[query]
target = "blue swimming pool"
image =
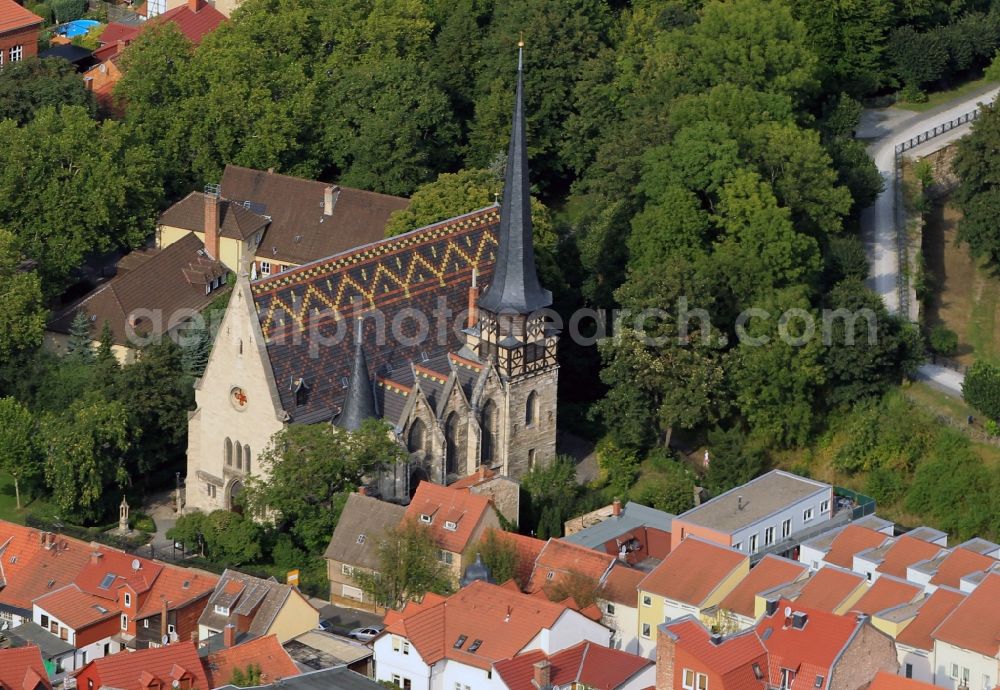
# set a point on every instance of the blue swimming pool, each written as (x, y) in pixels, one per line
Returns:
(77, 27)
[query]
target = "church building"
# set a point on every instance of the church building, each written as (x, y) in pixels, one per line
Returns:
(437, 331)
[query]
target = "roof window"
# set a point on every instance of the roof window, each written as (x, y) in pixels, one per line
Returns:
(819, 682)
(450, 526)
(425, 518)
(474, 647)
(108, 580)
(460, 641)
(758, 674)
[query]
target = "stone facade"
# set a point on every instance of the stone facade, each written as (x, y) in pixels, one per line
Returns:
(868, 652)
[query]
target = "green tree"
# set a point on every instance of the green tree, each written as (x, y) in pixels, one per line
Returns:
(19, 456)
(981, 388)
(670, 488)
(732, 460)
(978, 193)
(21, 306)
(29, 85)
(452, 194)
(619, 466)
(246, 678)
(408, 568)
(501, 556)
(222, 536)
(78, 345)
(85, 456)
(310, 469)
(943, 340)
(550, 488)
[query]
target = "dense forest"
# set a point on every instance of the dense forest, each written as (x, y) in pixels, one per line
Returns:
(683, 153)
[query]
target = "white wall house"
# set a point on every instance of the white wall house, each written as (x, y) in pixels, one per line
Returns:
(918, 663)
(84, 654)
(397, 661)
(623, 620)
(955, 667)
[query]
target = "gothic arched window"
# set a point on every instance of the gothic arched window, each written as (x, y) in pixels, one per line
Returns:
(229, 452)
(416, 443)
(531, 409)
(451, 444)
(239, 456)
(488, 423)
(246, 458)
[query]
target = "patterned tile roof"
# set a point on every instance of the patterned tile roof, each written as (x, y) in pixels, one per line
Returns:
(829, 588)
(905, 552)
(14, 17)
(558, 559)
(851, 540)
(30, 568)
(303, 312)
(135, 671)
(733, 657)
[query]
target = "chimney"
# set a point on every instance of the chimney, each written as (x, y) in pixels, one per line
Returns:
(799, 620)
(362, 490)
(330, 195)
(739, 503)
(212, 221)
(164, 613)
(229, 636)
(616, 507)
(195, 5)
(697, 496)
(666, 651)
(771, 607)
(543, 674)
(473, 301)
(95, 557)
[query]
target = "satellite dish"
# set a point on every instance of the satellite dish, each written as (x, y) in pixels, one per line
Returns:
(788, 612)
(166, 641)
(135, 564)
(176, 683)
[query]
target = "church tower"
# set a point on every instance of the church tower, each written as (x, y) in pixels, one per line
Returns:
(359, 404)
(519, 429)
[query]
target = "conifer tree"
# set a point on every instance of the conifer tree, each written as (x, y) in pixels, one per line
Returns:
(79, 338)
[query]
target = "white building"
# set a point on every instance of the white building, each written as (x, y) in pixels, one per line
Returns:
(967, 643)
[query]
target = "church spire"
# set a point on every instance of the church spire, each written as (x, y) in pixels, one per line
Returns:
(359, 404)
(515, 287)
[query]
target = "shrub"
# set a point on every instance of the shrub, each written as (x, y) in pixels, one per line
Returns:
(619, 467)
(992, 72)
(981, 388)
(991, 427)
(43, 10)
(68, 10)
(943, 341)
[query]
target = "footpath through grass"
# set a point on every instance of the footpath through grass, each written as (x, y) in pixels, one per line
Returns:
(941, 97)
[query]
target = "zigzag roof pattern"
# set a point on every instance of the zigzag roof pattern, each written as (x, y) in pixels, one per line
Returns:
(305, 313)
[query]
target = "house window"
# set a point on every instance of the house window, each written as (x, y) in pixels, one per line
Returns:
(16, 53)
(450, 526)
(124, 622)
(688, 682)
(63, 633)
(610, 609)
(819, 682)
(406, 647)
(425, 518)
(787, 677)
(786, 528)
(54, 629)
(908, 671)
(229, 452)
(44, 621)
(738, 546)
(530, 409)
(647, 600)
(807, 515)
(645, 630)
(265, 268)
(210, 489)
(702, 681)
(954, 671)
(531, 458)
(397, 644)
(768, 536)
(246, 458)
(347, 570)
(445, 557)
(965, 676)
(352, 593)
(145, 622)
(222, 610)
(171, 629)
(757, 672)
(986, 682)
(824, 507)
(753, 543)
(128, 600)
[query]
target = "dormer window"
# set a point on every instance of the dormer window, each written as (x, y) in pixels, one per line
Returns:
(426, 519)
(450, 526)
(222, 610)
(128, 600)
(757, 672)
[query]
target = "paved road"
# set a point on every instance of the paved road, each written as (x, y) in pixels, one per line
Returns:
(884, 129)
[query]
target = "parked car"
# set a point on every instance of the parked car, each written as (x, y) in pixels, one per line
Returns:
(366, 634)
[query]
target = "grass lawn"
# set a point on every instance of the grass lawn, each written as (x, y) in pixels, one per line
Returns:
(945, 405)
(8, 503)
(940, 97)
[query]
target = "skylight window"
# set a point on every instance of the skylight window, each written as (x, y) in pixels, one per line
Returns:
(460, 641)
(450, 526)
(361, 539)
(100, 609)
(474, 647)
(108, 580)
(757, 672)
(425, 518)
(819, 681)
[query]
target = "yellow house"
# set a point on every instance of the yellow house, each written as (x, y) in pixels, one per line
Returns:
(696, 575)
(270, 223)
(256, 607)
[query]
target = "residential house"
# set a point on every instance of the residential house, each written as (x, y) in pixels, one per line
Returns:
(354, 546)
(768, 514)
(155, 7)
(456, 519)
(564, 567)
(634, 533)
(528, 550)
(949, 567)
(739, 609)
(889, 681)
(175, 666)
(967, 642)
(22, 669)
(894, 556)
(156, 294)
(257, 608)
(455, 642)
(19, 29)
(119, 602)
(618, 600)
(504, 492)
(584, 665)
(57, 654)
(829, 589)
(838, 547)
(690, 657)
(318, 649)
(195, 19)
(696, 575)
(265, 654)
(912, 627)
(339, 678)
(269, 223)
(808, 649)
(887, 592)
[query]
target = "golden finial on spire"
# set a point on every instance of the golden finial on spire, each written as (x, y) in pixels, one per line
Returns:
(520, 43)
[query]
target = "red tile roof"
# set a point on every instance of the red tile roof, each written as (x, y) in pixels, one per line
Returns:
(905, 552)
(890, 681)
(264, 652)
(585, 663)
(443, 505)
(29, 568)
(733, 658)
(692, 571)
(22, 669)
(622, 585)
(958, 564)
(194, 25)
(528, 549)
(885, 593)
(935, 609)
(481, 475)
(975, 623)
(558, 559)
(501, 617)
(114, 569)
(14, 17)
(177, 586)
(770, 572)
(166, 664)
(811, 650)
(853, 539)
(76, 608)
(828, 588)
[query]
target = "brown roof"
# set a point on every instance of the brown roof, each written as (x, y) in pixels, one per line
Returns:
(235, 220)
(14, 17)
(851, 540)
(135, 670)
(770, 572)
(172, 283)
(259, 599)
(692, 571)
(362, 523)
(299, 230)
(444, 506)
(975, 623)
(935, 609)
(958, 564)
(885, 593)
